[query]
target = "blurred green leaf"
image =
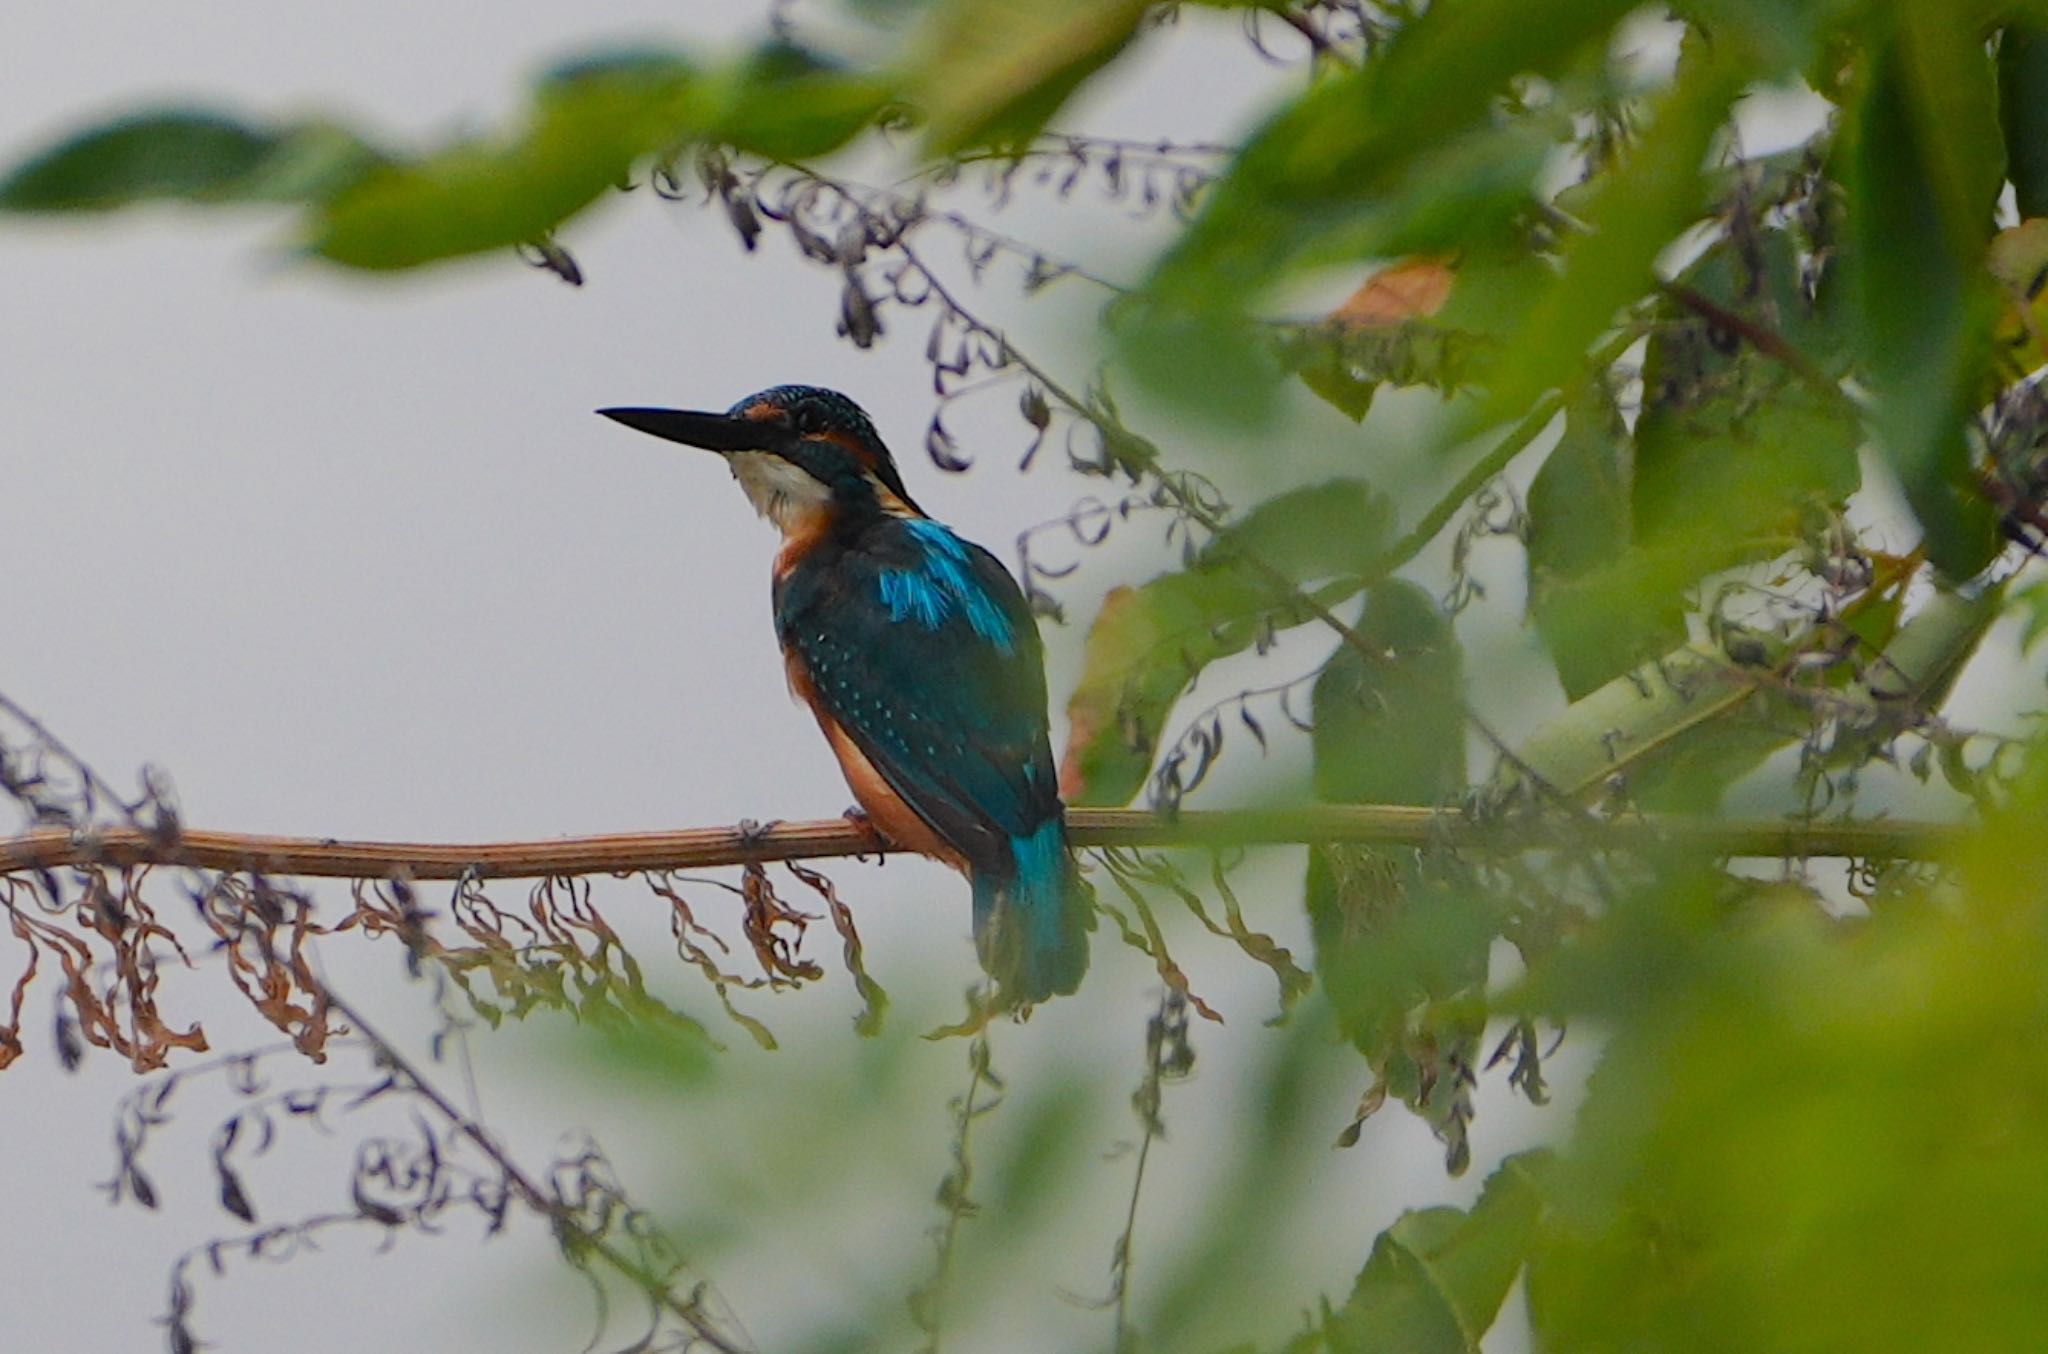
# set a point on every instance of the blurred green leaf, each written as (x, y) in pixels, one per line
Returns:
(1341, 151)
(1438, 1276)
(1922, 169)
(1348, 357)
(1736, 443)
(1581, 520)
(587, 128)
(184, 155)
(2032, 604)
(996, 70)
(1147, 644)
(1805, 1133)
(2023, 114)
(1743, 437)
(1391, 729)
(787, 103)
(1920, 665)
(1217, 366)
(1395, 950)
(1632, 214)
(1629, 721)
(662, 1050)
(592, 120)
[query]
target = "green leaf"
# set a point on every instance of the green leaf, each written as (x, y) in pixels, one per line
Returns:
(1391, 729)
(1626, 724)
(997, 70)
(587, 129)
(1380, 134)
(1213, 364)
(787, 103)
(1400, 956)
(1581, 521)
(1346, 360)
(1920, 665)
(185, 155)
(1436, 1279)
(1743, 436)
(1148, 644)
(2023, 114)
(1633, 213)
(1805, 1132)
(2031, 603)
(591, 123)
(1922, 170)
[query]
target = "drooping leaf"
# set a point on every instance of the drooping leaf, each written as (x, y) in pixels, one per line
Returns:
(1391, 729)
(1437, 1277)
(1399, 955)
(1148, 644)
(1582, 520)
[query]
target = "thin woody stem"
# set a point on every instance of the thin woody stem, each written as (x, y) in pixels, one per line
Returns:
(700, 848)
(531, 1192)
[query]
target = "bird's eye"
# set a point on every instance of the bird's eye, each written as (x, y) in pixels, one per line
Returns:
(809, 419)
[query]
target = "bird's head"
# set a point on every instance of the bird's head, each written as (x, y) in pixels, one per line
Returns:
(797, 451)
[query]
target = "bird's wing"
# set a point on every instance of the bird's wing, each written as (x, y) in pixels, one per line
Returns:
(922, 648)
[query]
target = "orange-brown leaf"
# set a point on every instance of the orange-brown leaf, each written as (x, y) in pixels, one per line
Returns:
(1412, 289)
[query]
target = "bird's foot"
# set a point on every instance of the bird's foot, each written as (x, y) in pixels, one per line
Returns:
(863, 824)
(753, 833)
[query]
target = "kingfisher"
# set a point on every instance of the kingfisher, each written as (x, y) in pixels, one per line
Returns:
(921, 661)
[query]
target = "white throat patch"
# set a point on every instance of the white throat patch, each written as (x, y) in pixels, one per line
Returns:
(779, 491)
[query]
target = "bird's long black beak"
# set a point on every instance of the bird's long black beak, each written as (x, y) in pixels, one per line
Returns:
(713, 432)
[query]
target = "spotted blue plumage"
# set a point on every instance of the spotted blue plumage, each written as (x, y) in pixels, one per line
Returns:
(942, 584)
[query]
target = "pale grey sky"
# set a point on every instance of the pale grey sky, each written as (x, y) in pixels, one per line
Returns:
(351, 556)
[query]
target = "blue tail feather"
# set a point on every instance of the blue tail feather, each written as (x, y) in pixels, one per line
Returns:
(1031, 922)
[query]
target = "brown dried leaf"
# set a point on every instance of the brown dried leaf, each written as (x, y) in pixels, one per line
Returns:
(1412, 289)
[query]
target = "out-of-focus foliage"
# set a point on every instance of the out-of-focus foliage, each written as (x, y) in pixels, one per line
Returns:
(1437, 1277)
(591, 122)
(1401, 942)
(1681, 379)
(1149, 643)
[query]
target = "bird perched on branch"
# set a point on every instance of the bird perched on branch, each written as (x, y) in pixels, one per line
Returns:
(921, 660)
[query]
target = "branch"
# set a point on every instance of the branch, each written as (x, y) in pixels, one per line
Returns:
(699, 848)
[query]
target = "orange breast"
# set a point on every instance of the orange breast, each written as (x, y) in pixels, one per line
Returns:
(890, 813)
(799, 536)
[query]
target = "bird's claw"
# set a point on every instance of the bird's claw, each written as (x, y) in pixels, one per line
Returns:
(865, 825)
(753, 833)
